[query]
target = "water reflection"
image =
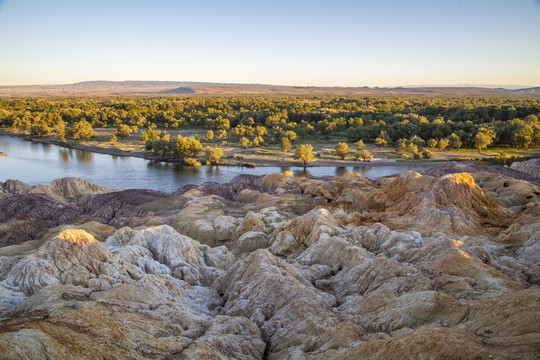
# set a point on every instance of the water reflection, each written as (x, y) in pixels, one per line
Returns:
(341, 170)
(84, 156)
(213, 170)
(4, 145)
(301, 172)
(362, 169)
(64, 155)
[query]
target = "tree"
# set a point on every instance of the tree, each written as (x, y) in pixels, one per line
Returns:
(222, 134)
(427, 154)
(483, 139)
(522, 132)
(402, 144)
(342, 149)
(412, 148)
(360, 144)
(432, 143)
(291, 135)
(285, 144)
(186, 146)
(213, 154)
(304, 153)
(209, 135)
(417, 140)
(60, 130)
(244, 142)
(113, 138)
(365, 155)
(443, 144)
(40, 128)
(380, 142)
(454, 141)
(123, 131)
(81, 130)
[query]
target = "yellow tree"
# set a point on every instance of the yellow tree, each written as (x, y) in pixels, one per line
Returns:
(342, 149)
(304, 153)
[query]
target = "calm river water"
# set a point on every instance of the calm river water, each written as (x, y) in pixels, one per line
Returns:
(36, 163)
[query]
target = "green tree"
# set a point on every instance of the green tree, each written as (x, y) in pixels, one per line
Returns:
(432, 143)
(483, 139)
(40, 128)
(285, 144)
(522, 131)
(427, 154)
(342, 149)
(454, 141)
(304, 153)
(360, 144)
(209, 135)
(60, 130)
(214, 154)
(144, 136)
(380, 142)
(81, 130)
(402, 145)
(417, 140)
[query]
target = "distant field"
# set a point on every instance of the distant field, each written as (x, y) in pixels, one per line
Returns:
(171, 88)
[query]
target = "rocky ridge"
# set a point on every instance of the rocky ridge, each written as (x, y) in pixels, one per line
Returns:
(443, 264)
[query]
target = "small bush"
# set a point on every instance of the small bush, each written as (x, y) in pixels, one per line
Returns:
(427, 154)
(417, 155)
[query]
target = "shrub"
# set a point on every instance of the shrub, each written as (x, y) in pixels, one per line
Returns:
(427, 154)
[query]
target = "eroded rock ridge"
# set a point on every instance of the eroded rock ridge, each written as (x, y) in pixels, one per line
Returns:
(444, 264)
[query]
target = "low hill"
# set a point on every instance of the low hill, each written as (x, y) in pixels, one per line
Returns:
(145, 88)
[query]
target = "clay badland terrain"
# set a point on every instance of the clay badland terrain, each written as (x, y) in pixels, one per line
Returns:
(439, 265)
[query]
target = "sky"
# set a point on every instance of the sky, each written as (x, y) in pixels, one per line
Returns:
(282, 42)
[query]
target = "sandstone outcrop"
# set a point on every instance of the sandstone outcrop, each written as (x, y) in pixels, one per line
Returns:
(440, 264)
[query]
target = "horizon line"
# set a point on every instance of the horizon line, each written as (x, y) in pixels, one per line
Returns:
(494, 86)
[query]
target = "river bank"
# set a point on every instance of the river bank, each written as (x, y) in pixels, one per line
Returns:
(261, 156)
(233, 156)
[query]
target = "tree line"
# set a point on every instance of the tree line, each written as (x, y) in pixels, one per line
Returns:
(259, 120)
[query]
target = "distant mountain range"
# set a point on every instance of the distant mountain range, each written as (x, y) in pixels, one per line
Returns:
(168, 88)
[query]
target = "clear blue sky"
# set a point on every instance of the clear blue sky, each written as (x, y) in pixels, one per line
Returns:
(315, 42)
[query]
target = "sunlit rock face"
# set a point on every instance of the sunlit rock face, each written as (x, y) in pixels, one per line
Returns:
(443, 264)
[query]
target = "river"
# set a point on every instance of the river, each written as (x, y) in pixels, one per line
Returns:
(38, 163)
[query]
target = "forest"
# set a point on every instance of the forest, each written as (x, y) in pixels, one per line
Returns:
(454, 122)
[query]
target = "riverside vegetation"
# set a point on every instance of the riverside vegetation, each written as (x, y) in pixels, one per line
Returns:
(443, 264)
(182, 127)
